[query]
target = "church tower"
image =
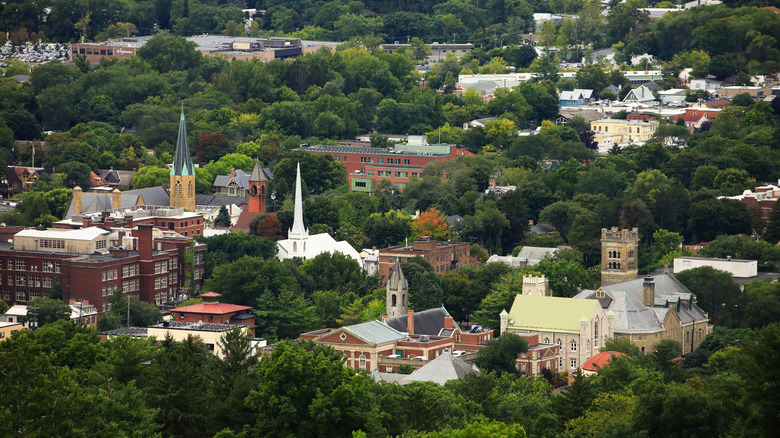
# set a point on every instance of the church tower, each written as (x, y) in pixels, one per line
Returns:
(257, 184)
(618, 255)
(397, 292)
(182, 188)
(298, 234)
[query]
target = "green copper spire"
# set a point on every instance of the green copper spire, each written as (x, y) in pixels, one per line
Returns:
(182, 161)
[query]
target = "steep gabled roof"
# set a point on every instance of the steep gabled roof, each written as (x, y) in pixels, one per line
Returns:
(426, 322)
(440, 370)
(538, 313)
(182, 161)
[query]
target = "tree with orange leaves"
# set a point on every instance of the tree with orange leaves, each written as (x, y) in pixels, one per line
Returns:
(432, 224)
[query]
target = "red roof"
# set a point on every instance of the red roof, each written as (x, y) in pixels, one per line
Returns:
(244, 220)
(211, 308)
(211, 295)
(600, 360)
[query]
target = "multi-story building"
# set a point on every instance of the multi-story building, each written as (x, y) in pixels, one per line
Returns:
(761, 200)
(163, 218)
(623, 132)
(443, 256)
(367, 167)
(90, 265)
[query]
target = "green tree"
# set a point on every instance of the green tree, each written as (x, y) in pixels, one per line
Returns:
(170, 53)
(425, 290)
(716, 292)
(151, 176)
(223, 218)
(500, 354)
(501, 297)
(44, 310)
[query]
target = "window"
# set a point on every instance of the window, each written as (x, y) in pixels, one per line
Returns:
(21, 280)
(370, 173)
(157, 283)
(406, 161)
(20, 264)
(210, 347)
(360, 183)
(381, 160)
(109, 274)
(596, 333)
(101, 244)
(21, 296)
(35, 280)
(363, 160)
(56, 266)
(47, 266)
(50, 243)
(573, 345)
(572, 363)
(338, 158)
(362, 362)
(370, 159)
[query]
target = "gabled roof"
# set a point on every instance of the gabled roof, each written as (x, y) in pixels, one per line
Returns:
(440, 370)
(639, 94)
(600, 360)
(97, 202)
(426, 322)
(535, 254)
(152, 195)
(260, 173)
(244, 219)
(182, 161)
(537, 313)
(375, 332)
(201, 199)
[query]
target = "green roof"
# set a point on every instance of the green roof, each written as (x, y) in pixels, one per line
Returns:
(551, 314)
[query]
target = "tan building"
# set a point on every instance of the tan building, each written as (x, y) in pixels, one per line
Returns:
(182, 190)
(619, 252)
(538, 286)
(623, 132)
(8, 328)
(577, 327)
(647, 311)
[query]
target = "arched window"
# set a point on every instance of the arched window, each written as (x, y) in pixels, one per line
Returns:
(618, 265)
(392, 301)
(362, 362)
(295, 246)
(596, 333)
(253, 191)
(573, 345)
(618, 254)
(177, 189)
(403, 299)
(190, 189)
(262, 191)
(546, 340)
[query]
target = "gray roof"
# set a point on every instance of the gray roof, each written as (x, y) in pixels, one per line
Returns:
(128, 331)
(242, 178)
(201, 199)
(535, 254)
(98, 202)
(426, 322)
(182, 161)
(587, 115)
(375, 332)
(441, 370)
(260, 173)
(153, 195)
(541, 229)
(123, 177)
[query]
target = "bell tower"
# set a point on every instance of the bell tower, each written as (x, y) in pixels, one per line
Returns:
(619, 255)
(257, 186)
(182, 190)
(397, 292)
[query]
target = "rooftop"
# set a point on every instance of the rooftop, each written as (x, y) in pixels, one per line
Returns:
(368, 151)
(375, 332)
(81, 234)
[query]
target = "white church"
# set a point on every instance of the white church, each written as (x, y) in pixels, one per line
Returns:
(300, 244)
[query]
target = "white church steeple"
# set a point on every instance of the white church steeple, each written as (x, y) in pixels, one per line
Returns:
(298, 231)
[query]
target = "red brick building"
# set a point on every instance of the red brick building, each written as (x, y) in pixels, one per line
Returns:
(163, 218)
(538, 357)
(761, 200)
(367, 166)
(443, 256)
(89, 265)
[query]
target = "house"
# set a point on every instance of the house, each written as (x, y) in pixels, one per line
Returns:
(640, 94)
(82, 312)
(706, 84)
(739, 268)
(116, 178)
(651, 309)
(478, 123)
(16, 314)
(300, 244)
(237, 182)
(577, 329)
(539, 356)
(370, 258)
(576, 97)
(673, 96)
(21, 179)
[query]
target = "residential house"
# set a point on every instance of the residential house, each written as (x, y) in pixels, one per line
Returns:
(642, 94)
(237, 182)
(588, 115)
(706, 84)
(539, 356)
(116, 178)
(623, 132)
(21, 179)
(576, 97)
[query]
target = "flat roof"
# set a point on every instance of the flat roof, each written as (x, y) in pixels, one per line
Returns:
(716, 259)
(368, 151)
(81, 234)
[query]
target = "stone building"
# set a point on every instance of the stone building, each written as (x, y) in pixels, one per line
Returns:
(619, 252)
(397, 292)
(538, 286)
(182, 189)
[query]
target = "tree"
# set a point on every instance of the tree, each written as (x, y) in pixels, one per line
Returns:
(44, 310)
(431, 223)
(151, 176)
(561, 215)
(501, 297)
(712, 217)
(336, 272)
(387, 229)
(546, 68)
(567, 277)
(327, 399)
(170, 53)
(716, 292)
(500, 354)
(425, 290)
(223, 218)
(267, 226)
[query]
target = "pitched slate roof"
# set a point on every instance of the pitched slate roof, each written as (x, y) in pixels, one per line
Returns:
(426, 322)
(182, 161)
(152, 195)
(440, 370)
(375, 332)
(201, 199)
(537, 313)
(97, 202)
(535, 254)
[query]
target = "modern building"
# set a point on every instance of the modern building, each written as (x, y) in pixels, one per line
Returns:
(739, 268)
(90, 265)
(300, 244)
(579, 330)
(651, 309)
(367, 167)
(443, 256)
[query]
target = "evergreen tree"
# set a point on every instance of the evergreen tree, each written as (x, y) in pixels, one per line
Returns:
(223, 218)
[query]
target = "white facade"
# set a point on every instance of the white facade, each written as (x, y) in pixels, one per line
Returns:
(736, 267)
(300, 244)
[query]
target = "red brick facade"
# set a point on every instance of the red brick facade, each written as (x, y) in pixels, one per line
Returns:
(443, 256)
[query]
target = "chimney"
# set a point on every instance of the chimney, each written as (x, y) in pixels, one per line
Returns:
(77, 206)
(145, 244)
(86, 222)
(648, 292)
(448, 323)
(121, 237)
(232, 173)
(410, 321)
(116, 199)
(129, 221)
